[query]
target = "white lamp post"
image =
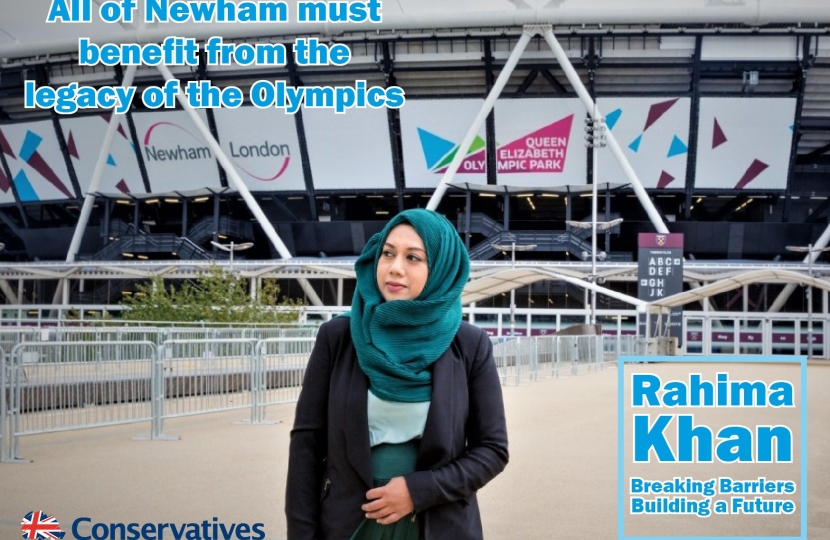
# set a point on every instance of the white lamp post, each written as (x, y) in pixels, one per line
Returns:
(595, 227)
(809, 249)
(513, 249)
(231, 247)
(595, 139)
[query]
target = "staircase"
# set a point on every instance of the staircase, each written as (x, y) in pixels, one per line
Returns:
(203, 230)
(571, 241)
(129, 240)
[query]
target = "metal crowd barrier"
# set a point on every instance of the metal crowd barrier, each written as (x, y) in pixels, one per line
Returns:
(4, 393)
(50, 386)
(625, 346)
(206, 375)
(60, 386)
(9, 338)
(279, 371)
(159, 335)
(524, 359)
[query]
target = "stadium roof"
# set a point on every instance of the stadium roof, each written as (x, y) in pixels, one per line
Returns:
(24, 32)
(189, 194)
(739, 280)
(487, 188)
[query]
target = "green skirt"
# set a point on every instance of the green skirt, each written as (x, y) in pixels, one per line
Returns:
(389, 461)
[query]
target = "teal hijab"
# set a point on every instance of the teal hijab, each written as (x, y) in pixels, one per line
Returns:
(398, 341)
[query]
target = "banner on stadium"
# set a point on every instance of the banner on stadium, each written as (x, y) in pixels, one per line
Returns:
(6, 194)
(262, 144)
(349, 151)
(540, 142)
(84, 138)
(744, 143)
(653, 134)
(176, 156)
(37, 167)
(431, 132)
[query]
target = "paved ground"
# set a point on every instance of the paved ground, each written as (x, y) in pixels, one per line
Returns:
(561, 481)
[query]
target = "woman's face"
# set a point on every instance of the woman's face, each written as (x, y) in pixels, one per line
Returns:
(402, 267)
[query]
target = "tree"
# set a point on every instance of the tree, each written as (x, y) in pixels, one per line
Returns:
(216, 296)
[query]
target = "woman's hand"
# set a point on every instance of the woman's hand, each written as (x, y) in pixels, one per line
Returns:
(389, 503)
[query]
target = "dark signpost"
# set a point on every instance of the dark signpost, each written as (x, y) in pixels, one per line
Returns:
(660, 274)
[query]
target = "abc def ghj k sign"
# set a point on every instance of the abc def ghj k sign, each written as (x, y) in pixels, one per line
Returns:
(660, 274)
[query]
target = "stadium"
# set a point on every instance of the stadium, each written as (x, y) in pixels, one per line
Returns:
(628, 179)
(718, 115)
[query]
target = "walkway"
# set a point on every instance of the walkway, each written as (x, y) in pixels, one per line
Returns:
(561, 481)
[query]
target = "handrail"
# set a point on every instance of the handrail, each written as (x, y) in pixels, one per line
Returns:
(204, 228)
(155, 243)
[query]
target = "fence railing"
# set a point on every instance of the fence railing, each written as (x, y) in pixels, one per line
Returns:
(4, 417)
(524, 359)
(50, 386)
(63, 386)
(9, 337)
(68, 385)
(282, 363)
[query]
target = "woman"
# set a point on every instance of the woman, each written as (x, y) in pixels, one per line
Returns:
(400, 419)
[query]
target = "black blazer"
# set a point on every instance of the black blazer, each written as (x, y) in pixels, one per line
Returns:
(330, 466)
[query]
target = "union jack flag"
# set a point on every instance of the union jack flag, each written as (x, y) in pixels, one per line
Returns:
(38, 524)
